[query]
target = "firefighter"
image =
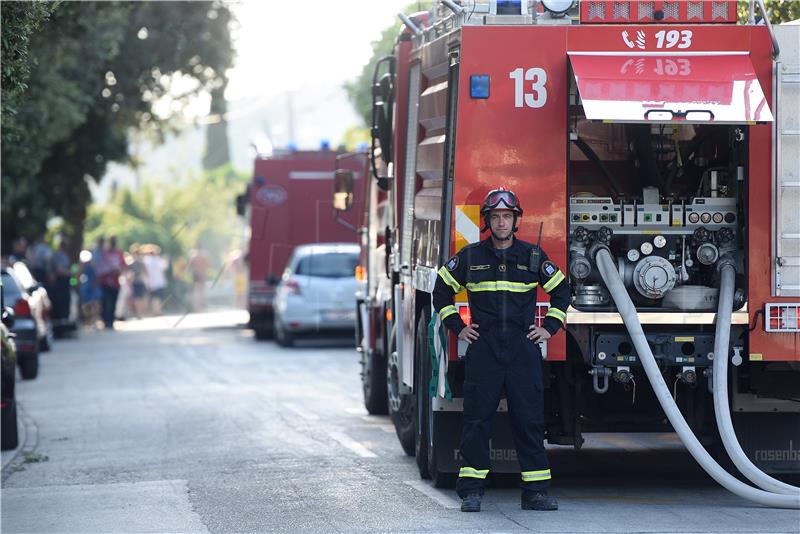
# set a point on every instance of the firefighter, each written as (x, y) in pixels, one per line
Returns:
(501, 275)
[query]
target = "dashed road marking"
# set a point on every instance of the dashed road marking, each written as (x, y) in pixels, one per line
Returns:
(301, 412)
(352, 445)
(439, 496)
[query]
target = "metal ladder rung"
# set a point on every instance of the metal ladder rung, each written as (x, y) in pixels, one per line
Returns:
(790, 184)
(790, 132)
(790, 236)
(789, 260)
(790, 287)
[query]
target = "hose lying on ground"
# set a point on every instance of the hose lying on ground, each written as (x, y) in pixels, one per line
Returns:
(608, 270)
(721, 408)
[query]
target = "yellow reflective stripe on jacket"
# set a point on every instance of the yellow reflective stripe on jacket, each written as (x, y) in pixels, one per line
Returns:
(449, 280)
(447, 311)
(553, 282)
(531, 476)
(558, 314)
(471, 472)
(502, 285)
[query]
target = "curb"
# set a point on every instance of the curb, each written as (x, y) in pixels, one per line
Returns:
(28, 441)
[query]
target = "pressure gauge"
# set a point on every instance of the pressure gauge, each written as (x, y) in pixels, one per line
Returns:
(706, 218)
(659, 241)
(558, 7)
(694, 218)
(646, 248)
(633, 255)
(717, 218)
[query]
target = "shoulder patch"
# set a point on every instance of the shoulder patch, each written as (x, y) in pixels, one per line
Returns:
(452, 263)
(549, 268)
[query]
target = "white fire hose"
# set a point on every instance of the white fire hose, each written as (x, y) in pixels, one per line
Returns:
(721, 408)
(608, 270)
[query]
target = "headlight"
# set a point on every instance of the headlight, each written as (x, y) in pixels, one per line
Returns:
(558, 7)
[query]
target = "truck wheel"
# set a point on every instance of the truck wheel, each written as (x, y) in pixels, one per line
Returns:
(10, 434)
(421, 381)
(28, 364)
(374, 384)
(402, 408)
(263, 333)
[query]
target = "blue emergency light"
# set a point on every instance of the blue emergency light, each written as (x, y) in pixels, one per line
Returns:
(479, 86)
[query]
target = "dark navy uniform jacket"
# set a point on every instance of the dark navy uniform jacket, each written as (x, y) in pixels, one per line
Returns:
(501, 290)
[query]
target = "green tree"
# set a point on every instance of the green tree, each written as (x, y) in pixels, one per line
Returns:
(359, 90)
(779, 10)
(96, 71)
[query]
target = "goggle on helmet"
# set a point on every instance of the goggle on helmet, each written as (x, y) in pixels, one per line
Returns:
(501, 199)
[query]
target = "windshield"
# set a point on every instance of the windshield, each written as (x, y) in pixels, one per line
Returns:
(328, 265)
(11, 292)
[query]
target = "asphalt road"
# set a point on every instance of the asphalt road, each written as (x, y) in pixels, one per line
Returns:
(195, 427)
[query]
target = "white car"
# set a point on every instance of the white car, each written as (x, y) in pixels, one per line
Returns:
(316, 293)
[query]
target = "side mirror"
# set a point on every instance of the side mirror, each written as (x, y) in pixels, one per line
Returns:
(8, 317)
(343, 190)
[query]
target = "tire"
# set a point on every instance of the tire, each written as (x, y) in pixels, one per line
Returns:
(282, 337)
(262, 333)
(10, 430)
(374, 384)
(422, 365)
(28, 364)
(402, 408)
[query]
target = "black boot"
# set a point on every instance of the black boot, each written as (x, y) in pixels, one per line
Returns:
(471, 503)
(537, 500)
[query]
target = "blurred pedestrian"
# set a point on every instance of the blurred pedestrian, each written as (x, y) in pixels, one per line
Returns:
(138, 272)
(237, 266)
(199, 267)
(58, 288)
(90, 293)
(156, 266)
(18, 250)
(38, 259)
(109, 271)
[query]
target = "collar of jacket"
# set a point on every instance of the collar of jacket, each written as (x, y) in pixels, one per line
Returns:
(516, 249)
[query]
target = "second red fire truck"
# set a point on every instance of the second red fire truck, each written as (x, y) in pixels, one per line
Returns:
(658, 138)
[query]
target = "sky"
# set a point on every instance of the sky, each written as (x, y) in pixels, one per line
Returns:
(284, 45)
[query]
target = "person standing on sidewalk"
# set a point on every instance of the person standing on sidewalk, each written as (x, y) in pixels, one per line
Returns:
(109, 271)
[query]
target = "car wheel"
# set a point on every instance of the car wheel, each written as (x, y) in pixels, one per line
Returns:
(10, 433)
(283, 338)
(374, 383)
(28, 364)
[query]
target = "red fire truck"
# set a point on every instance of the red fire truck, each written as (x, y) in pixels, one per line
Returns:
(289, 203)
(658, 135)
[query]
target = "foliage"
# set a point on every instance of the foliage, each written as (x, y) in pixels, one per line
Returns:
(19, 21)
(97, 71)
(360, 90)
(779, 10)
(176, 217)
(355, 136)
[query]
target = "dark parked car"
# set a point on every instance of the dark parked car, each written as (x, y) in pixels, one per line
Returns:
(8, 377)
(30, 322)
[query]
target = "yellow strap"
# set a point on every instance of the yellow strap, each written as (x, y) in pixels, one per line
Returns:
(471, 472)
(529, 476)
(449, 280)
(554, 281)
(447, 311)
(558, 314)
(502, 285)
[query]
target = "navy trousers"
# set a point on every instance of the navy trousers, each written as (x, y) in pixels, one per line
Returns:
(503, 359)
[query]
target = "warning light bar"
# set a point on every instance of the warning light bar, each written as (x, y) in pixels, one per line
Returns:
(783, 317)
(651, 11)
